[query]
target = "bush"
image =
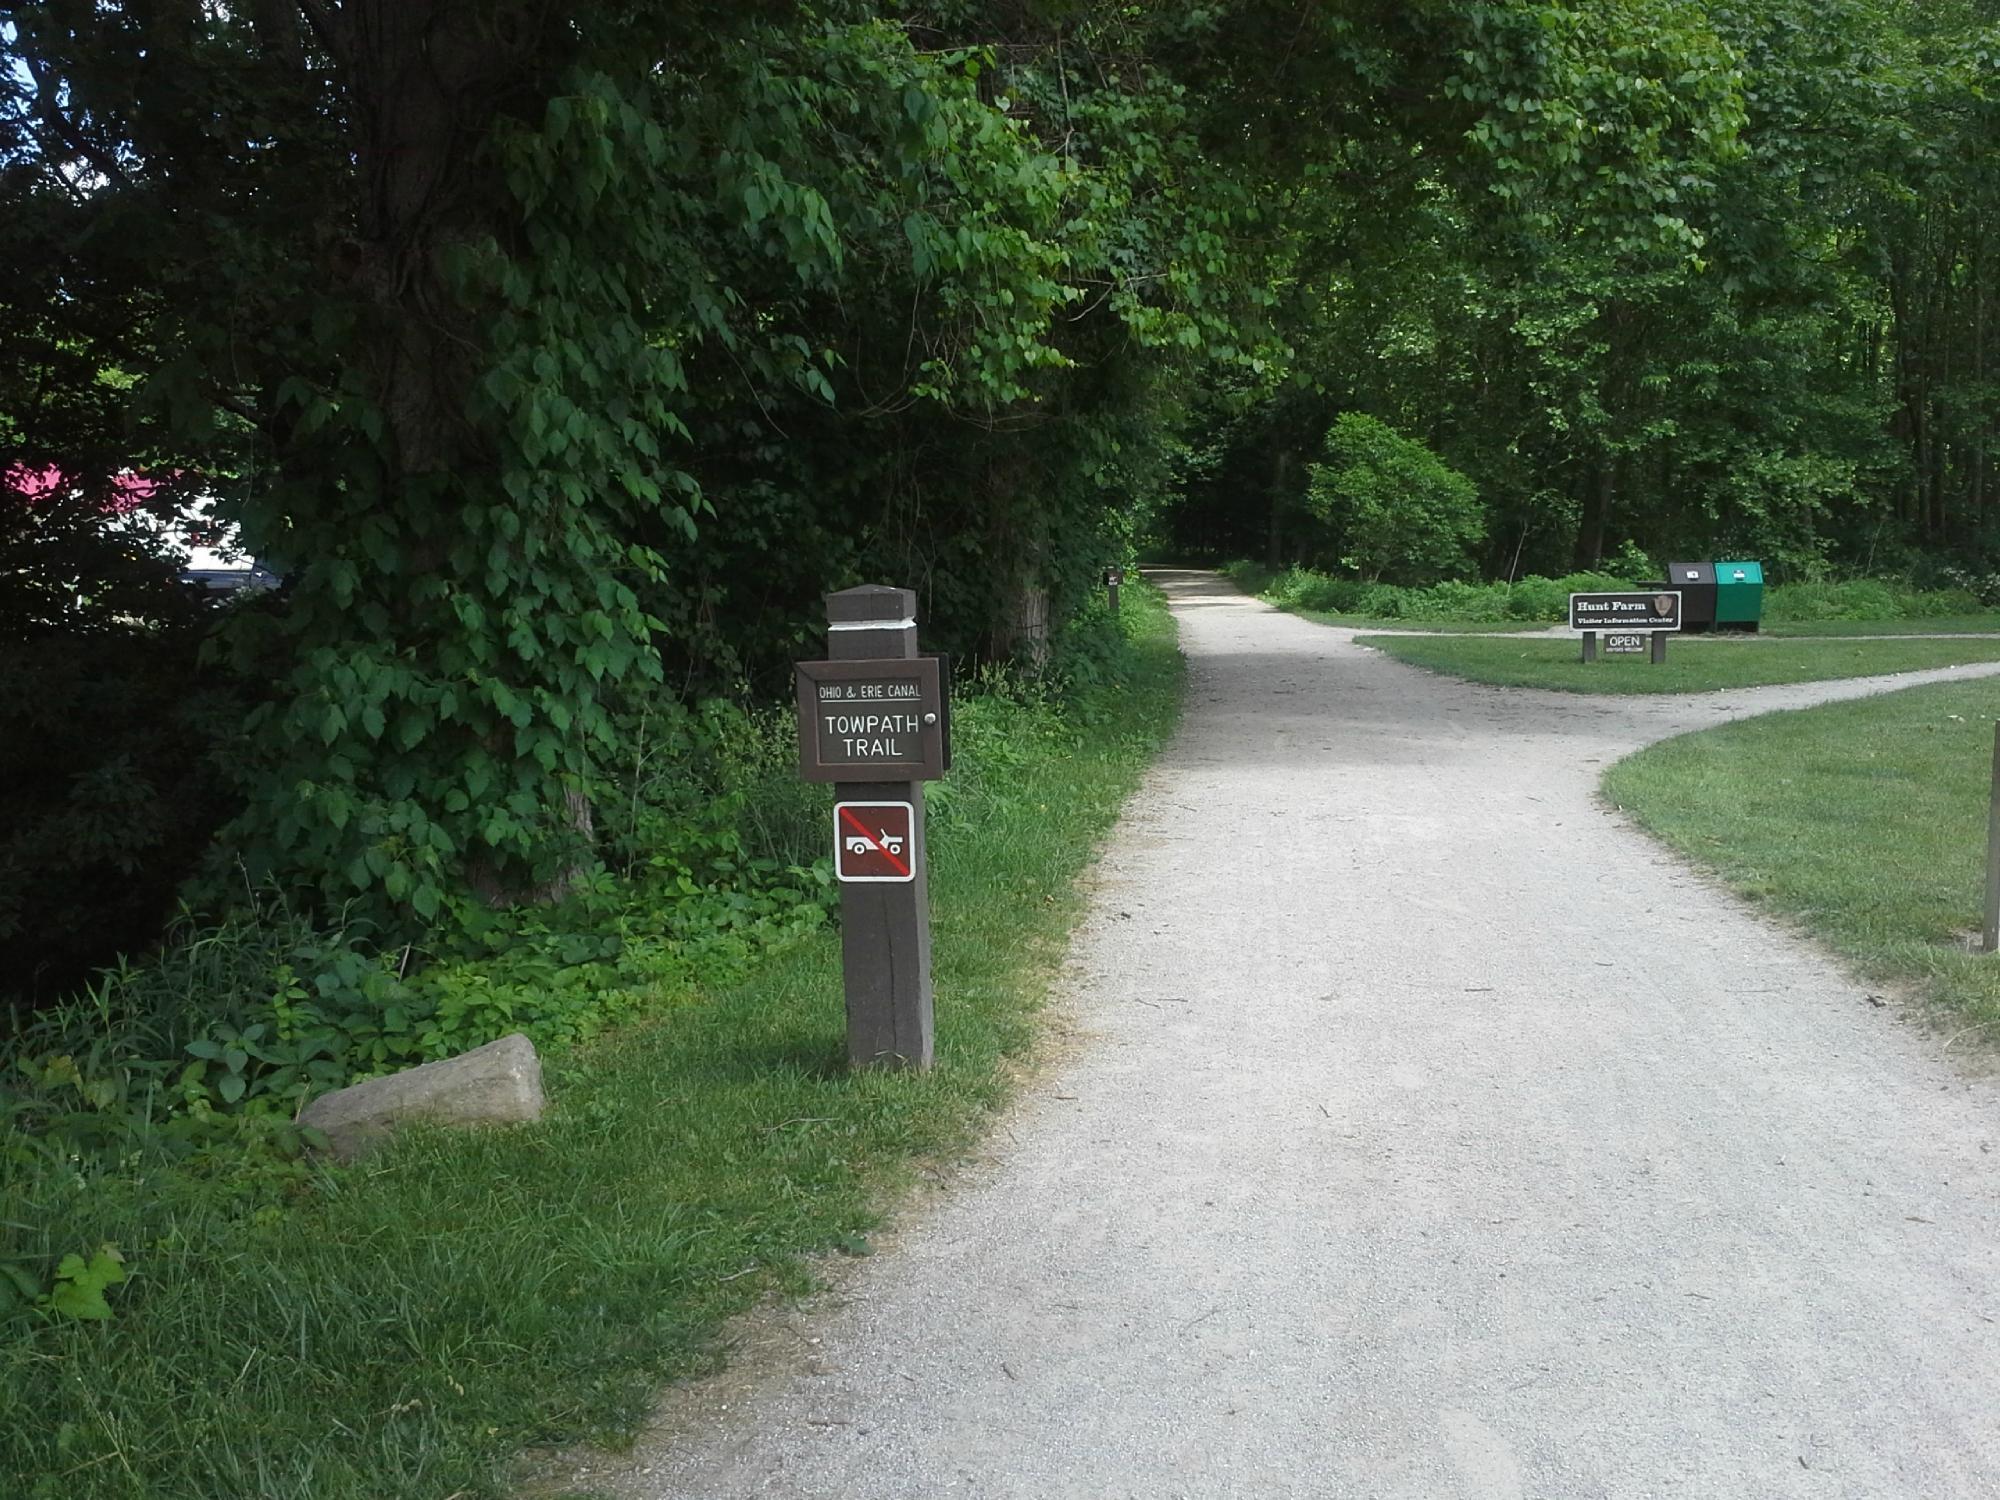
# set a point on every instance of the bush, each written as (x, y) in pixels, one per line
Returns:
(1537, 598)
(1302, 588)
(1457, 601)
(1403, 514)
(1867, 599)
(1980, 584)
(1531, 598)
(110, 791)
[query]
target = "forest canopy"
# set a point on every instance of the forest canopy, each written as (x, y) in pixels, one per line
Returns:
(557, 358)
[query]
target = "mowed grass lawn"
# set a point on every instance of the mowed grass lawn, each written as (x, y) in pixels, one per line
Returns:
(1694, 664)
(1865, 820)
(1941, 625)
(404, 1327)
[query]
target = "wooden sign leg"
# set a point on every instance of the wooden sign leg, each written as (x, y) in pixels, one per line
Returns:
(1659, 647)
(885, 938)
(1590, 645)
(1991, 935)
(885, 948)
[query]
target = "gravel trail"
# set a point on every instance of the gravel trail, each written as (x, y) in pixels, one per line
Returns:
(1428, 1133)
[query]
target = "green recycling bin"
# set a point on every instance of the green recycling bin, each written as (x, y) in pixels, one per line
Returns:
(1739, 595)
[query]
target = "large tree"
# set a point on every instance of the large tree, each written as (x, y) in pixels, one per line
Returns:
(541, 348)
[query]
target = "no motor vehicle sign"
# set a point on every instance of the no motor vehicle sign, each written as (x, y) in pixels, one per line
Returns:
(872, 842)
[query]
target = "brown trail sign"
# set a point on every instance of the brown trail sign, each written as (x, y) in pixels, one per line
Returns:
(1654, 612)
(873, 720)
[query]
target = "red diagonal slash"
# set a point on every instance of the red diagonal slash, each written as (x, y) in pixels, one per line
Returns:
(874, 843)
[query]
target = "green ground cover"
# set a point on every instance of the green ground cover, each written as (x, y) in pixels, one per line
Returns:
(1865, 820)
(403, 1328)
(1694, 664)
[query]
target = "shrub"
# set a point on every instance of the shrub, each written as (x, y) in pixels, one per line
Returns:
(1867, 599)
(109, 794)
(1530, 598)
(1302, 588)
(1536, 598)
(1404, 515)
(1458, 601)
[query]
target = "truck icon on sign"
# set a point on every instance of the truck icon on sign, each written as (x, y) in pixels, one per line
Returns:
(891, 843)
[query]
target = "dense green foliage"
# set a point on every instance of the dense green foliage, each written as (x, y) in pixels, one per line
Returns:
(555, 358)
(1714, 279)
(108, 757)
(559, 359)
(1403, 515)
(112, 780)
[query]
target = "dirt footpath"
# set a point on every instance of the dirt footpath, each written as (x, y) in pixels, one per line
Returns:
(1431, 1133)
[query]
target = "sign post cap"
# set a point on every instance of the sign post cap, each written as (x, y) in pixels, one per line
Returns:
(871, 602)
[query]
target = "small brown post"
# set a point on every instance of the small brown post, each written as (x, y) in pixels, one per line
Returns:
(1991, 935)
(885, 937)
(1590, 645)
(1114, 578)
(1659, 647)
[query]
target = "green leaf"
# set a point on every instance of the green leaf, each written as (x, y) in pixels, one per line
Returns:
(17, 1286)
(80, 1285)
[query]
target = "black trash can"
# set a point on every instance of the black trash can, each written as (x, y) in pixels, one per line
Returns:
(1695, 582)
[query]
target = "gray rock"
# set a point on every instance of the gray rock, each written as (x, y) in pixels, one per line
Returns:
(498, 1084)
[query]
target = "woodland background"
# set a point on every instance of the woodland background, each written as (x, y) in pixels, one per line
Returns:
(559, 357)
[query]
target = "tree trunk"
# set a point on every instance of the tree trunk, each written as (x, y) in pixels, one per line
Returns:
(1907, 422)
(1596, 509)
(1281, 467)
(1020, 627)
(425, 79)
(1983, 403)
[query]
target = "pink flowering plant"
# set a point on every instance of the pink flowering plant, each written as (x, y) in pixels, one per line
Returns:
(88, 555)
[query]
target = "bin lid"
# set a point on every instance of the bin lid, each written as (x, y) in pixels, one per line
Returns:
(1681, 574)
(1739, 572)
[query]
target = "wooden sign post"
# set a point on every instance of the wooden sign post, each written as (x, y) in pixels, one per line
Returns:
(1990, 934)
(872, 720)
(1114, 579)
